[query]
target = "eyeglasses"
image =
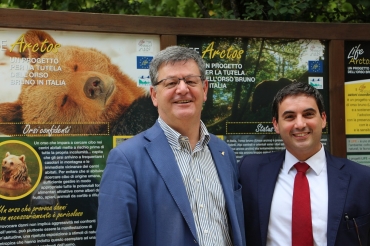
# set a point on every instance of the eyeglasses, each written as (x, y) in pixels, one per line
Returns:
(172, 82)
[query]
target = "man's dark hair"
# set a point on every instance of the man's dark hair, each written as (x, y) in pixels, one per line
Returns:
(295, 89)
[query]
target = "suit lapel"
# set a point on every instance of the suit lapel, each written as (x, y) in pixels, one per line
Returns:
(338, 182)
(165, 162)
(267, 175)
(219, 156)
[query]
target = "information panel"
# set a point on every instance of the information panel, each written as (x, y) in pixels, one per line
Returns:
(357, 100)
(244, 75)
(66, 99)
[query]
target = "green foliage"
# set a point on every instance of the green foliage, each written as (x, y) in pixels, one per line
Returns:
(353, 11)
(262, 59)
(174, 8)
(308, 10)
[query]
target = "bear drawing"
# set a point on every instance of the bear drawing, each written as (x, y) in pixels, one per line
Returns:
(83, 89)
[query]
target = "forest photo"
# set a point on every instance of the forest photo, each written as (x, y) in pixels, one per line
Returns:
(244, 75)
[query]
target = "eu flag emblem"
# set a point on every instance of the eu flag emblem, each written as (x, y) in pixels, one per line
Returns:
(143, 62)
(315, 66)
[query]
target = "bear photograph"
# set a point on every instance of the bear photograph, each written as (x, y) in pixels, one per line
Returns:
(84, 85)
(14, 172)
(20, 169)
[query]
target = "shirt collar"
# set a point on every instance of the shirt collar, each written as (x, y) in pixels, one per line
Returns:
(174, 137)
(317, 162)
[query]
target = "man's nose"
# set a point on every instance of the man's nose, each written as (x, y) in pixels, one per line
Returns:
(182, 86)
(300, 122)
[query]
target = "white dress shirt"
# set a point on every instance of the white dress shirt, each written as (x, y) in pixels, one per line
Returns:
(203, 187)
(280, 224)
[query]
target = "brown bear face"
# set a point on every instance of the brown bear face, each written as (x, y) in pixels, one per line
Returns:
(72, 85)
(84, 86)
(14, 169)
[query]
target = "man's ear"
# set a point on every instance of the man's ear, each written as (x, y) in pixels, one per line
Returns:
(323, 117)
(276, 125)
(153, 95)
(205, 89)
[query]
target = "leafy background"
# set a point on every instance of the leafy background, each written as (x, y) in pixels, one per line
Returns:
(343, 11)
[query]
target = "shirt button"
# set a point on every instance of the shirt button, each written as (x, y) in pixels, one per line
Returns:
(198, 180)
(201, 205)
(205, 231)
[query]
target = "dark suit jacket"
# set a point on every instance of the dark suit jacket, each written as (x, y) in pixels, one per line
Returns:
(142, 198)
(348, 189)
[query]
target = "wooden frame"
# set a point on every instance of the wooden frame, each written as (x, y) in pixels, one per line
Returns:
(168, 28)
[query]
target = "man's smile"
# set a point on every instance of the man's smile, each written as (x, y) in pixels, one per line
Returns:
(183, 101)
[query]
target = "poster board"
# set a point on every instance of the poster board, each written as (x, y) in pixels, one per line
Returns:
(244, 74)
(357, 100)
(67, 87)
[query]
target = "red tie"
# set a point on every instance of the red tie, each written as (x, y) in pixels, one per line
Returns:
(301, 211)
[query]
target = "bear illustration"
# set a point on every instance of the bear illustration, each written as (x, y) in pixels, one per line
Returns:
(14, 172)
(83, 87)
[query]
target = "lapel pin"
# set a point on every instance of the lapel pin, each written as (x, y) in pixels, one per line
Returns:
(222, 153)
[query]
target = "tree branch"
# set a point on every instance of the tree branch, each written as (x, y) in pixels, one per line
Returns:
(203, 9)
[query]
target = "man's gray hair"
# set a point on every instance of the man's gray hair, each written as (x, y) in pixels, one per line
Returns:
(174, 54)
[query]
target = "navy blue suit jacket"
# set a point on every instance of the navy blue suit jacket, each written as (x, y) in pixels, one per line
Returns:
(348, 190)
(142, 198)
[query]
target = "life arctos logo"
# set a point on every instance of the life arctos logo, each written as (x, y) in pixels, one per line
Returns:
(355, 52)
(43, 43)
(354, 56)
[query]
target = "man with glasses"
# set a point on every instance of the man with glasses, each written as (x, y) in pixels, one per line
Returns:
(175, 183)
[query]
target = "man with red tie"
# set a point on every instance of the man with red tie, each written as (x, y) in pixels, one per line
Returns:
(304, 196)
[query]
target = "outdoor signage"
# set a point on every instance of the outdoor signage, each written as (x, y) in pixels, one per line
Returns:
(244, 75)
(63, 98)
(357, 100)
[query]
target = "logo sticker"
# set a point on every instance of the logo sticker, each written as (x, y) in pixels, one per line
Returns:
(317, 82)
(315, 66)
(143, 62)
